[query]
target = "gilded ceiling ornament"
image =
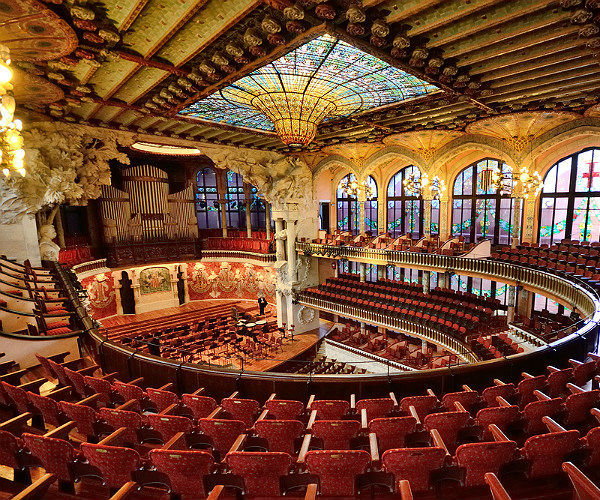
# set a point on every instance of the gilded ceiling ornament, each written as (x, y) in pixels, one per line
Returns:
(581, 16)
(294, 12)
(567, 4)
(401, 42)
(589, 30)
(219, 59)
(593, 43)
(234, 50)
(380, 28)
(420, 53)
(355, 14)
(450, 70)
(185, 83)
(436, 62)
(177, 91)
(206, 68)
(82, 12)
(164, 93)
(109, 35)
(270, 25)
(252, 37)
(325, 11)
(355, 29)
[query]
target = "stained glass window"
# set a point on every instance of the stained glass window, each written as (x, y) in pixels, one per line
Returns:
(371, 208)
(258, 211)
(570, 200)
(404, 209)
(481, 287)
(479, 211)
(325, 76)
(347, 207)
(236, 201)
(207, 200)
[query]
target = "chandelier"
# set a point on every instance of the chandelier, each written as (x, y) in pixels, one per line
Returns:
(12, 154)
(532, 183)
(353, 188)
(417, 182)
(437, 187)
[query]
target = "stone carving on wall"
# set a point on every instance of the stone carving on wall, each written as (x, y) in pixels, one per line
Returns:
(48, 249)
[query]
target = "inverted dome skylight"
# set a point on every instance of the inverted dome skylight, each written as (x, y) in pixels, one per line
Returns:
(323, 79)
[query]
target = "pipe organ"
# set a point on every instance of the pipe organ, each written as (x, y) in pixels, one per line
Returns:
(144, 211)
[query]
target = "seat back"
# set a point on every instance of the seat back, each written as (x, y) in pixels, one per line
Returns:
(448, 424)
(557, 380)
(49, 372)
(284, 409)
(9, 448)
(18, 396)
(526, 387)
(376, 408)
(99, 386)
(502, 416)
(55, 455)
(201, 406)
(261, 470)
(186, 469)
(423, 404)
(114, 462)
(578, 406)
(129, 391)
(59, 371)
(490, 394)
(337, 470)
(162, 399)
(414, 465)
(83, 415)
(466, 398)
(77, 382)
(48, 407)
(336, 434)
(536, 410)
(222, 433)
(280, 434)
(479, 458)
(546, 452)
(241, 409)
(169, 425)
(123, 418)
(593, 441)
(391, 431)
(330, 409)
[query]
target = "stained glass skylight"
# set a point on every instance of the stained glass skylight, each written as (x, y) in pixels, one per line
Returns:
(323, 79)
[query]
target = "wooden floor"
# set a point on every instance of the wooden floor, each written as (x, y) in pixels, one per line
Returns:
(143, 321)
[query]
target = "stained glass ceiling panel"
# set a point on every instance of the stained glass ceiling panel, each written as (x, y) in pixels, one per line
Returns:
(324, 69)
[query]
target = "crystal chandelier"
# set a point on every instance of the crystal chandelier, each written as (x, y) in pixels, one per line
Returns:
(532, 183)
(415, 183)
(437, 188)
(352, 188)
(12, 154)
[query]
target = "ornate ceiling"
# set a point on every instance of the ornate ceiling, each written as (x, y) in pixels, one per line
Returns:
(134, 64)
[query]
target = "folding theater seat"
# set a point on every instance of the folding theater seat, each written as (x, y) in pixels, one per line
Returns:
(546, 452)
(557, 380)
(535, 411)
(100, 386)
(77, 382)
(391, 432)
(201, 406)
(131, 420)
(330, 409)
(115, 463)
(85, 417)
(55, 455)
(186, 469)
(489, 394)
(283, 409)
(280, 434)
(413, 464)
(127, 392)
(336, 434)
(245, 410)
(376, 408)
(12, 450)
(222, 433)
(261, 471)
(161, 399)
(592, 440)
(17, 396)
(424, 405)
(48, 408)
(169, 425)
(448, 425)
(529, 384)
(502, 416)
(579, 404)
(468, 399)
(337, 470)
(479, 458)
(583, 372)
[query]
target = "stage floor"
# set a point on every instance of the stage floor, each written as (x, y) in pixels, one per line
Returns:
(290, 349)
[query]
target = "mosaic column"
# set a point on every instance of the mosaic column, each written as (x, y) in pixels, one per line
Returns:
(426, 281)
(268, 220)
(512, 293)
(445, 230)
(223, 204)
(279, 245)
(516, 223)
(427, 218)
(361, 212)
(363, 272)
(380, 272)
(291, 250)
(528, 220)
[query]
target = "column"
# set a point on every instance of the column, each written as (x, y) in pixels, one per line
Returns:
(248, 204)
(291, 250)
(524, 303)
(380, 272)
(268, 219)
(223, 204)
(516, 223)
(281, 309)
(363, 272)
(512, 292)
(361, 212)
(427, 218)
(222, 192)
(362, 328)
(117, 285)
(60, 230)
(426, 281)
(444, 226)
(424, 346)
(279, 248)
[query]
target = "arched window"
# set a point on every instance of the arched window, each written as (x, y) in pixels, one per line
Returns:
(478, 210)
(347, 207)
(207, 199)
(404, 208)
(236, 201)
(371, 208)
(258, 210)
(570, 200)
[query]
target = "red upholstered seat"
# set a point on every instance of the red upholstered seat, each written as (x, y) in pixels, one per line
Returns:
(77, 382)
(10, 447)
(114, 462)
(48, 407)
(59, 371)
(584, 372)
(241, 409)
(558, 380)
(222, 433)
(391, 431)
(56, 455)
(336, 434)
(330, 409)
(536, 410)
(99, 386)
(490, 394)
(466, 398)
(201, 406)
(592, 439)
(578, 406)
(479, 458)
(448, 424)
(284, 409)
(186, 469)
(376, 408)
(261, 470)
(423, 404)
(280, 434)
(18, 397)
(129, 391)
(337, 470)
(547, 452)
(414, 465)
(122, 418)
(169, 425)
(162, 399)
(502, 416)
(83, 415)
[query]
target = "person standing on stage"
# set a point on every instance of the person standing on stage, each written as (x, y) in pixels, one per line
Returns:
(262, 304)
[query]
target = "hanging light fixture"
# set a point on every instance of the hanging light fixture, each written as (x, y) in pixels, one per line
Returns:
(437, 187)
(353, 188)
(415, 183)
(532, 183)
(12, 154)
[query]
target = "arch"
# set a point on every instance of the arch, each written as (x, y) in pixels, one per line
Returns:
(208, 212)
(235, 200)
(404, 208)
(570, 199)
(394, 152)
(334, 161)
(479, 210)
(371, 207)
(346, 206)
